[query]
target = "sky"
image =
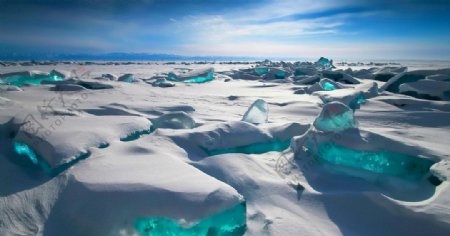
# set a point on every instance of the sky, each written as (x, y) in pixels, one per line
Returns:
(347, 29)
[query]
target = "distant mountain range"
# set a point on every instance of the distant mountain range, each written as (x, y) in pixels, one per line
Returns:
(117, 57)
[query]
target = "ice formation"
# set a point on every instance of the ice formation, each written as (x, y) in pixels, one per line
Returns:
(137, 134)
(355, 152)
(327, 86)
(257, 148)
(29, 77)
(427, 89)
(352, 97)
(257, 113)
(231, 222)
(163, 83)
(174, 120)
(439, 77)
(129, 78)
(178, 180)
(335, 117)
(262, 70)
(93, 85)
(382, 161)
(194, 76)
(23, 149)
(324, 63)
(340, 76)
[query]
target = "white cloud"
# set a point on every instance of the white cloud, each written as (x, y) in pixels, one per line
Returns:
(366, 50)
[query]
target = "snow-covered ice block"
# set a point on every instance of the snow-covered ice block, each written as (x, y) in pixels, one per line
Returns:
(324, 63)
(109, 76)
(93, 85)
(129, 78)
(193, 76)
(352, 97)
(29, 77)
(276, 74)
(262, 70)
(62, 139)
(324, 85)
(235, 137)
(306, 79)
(393, 84)
(228, 222)
(340, 76)
(439, 77)
(174, 120)
(365, 154)
(143, 189)
(328, 85)
(257, 113)
(427, 89)
(305, 70)
(163, 83)
(335, 117)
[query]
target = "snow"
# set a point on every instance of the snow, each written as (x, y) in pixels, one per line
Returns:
(87, 156)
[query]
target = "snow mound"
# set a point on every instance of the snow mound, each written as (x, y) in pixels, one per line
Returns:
(234, 137)
(62, 140)
(10, 88)
(122, 196)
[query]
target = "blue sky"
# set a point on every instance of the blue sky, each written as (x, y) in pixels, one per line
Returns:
(397, 29)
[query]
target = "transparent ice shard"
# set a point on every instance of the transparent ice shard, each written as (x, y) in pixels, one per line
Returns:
(335, 116)
(258, 113)
(174, 120)
(383, 162)
(231, 222)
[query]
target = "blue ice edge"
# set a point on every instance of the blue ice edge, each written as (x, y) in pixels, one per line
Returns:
(257, 148)
(24, 151)
(230, 222)
(137, 134)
